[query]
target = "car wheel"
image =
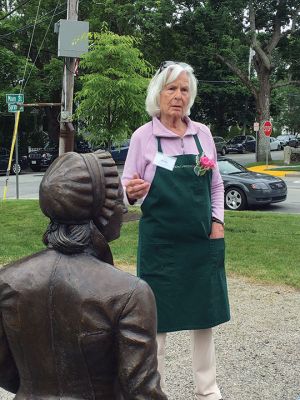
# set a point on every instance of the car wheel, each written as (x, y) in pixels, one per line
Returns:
(35, 168)
(235, 199)
(16, 168)
(223, 151)
(242, 151)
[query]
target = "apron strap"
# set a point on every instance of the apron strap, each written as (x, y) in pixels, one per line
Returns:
(159, 148)
(197, 141)
(198, 144)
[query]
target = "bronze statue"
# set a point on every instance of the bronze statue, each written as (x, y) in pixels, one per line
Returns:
(72, 325)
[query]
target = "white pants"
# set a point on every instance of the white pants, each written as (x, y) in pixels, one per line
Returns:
(203, 362)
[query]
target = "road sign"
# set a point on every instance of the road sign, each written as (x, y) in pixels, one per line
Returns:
(256, 126)
(267, 128)
(14, 108)
(14, 98)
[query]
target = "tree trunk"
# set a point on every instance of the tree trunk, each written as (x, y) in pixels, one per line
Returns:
(263, 111)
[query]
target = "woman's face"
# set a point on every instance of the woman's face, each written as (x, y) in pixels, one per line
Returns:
(174, 97)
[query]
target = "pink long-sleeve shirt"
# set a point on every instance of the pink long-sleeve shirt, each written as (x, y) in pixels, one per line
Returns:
(143, 148)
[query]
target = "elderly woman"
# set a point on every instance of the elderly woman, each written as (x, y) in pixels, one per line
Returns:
(172, 166)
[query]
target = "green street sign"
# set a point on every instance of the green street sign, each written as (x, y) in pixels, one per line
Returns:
(14, 98)
(14, 108)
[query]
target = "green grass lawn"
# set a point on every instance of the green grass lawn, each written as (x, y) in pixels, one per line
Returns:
(259, 245)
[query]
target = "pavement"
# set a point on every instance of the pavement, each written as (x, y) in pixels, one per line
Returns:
(275, 170)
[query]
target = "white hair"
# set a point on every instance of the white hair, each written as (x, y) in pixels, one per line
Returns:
(164, 76)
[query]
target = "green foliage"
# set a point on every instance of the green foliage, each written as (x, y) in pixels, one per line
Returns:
(288, 102)
(183, 30)
(112, 98)
(11, 73)
(43, 76)
(119, 15)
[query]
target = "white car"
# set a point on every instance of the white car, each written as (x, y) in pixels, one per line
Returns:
(284, 139)
(275, 144)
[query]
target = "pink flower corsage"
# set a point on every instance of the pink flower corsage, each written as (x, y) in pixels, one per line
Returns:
(203, 164)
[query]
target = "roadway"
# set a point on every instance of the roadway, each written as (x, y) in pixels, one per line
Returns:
(29, 185)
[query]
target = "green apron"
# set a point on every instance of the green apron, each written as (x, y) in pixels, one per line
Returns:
(176, 257)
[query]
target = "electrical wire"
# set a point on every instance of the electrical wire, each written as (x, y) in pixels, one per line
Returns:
(31, 25)
(15, 9)
(31, 39)
(33, 47)
(233, 82)
(40, 47)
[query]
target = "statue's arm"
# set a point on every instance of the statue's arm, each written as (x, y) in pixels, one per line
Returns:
(138, 375)
(9, 376)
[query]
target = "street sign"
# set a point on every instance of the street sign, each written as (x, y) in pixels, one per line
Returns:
(14, 98)
(267, 128)
(14, 108)
(256, 126)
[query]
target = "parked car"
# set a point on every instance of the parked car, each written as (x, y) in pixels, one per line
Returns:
(41, 158)
(221, 145)
(4, 159)
(244, 188)
(275, 144)
(119, 152)
(295, 141)
(284, 139)
(241, 143)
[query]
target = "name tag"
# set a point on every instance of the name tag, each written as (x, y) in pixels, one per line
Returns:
(164, 161)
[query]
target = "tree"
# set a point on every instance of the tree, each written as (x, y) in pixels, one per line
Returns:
(289, 102)
(111, 101)
(262, 26)
(176, 30)
(41, 77)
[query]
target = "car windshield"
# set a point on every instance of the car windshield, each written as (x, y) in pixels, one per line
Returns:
(282, 137)
(237, 139)
(230, 167)
(50, 146)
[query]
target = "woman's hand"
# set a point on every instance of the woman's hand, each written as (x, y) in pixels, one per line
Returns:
(137, 188)
(217, 231)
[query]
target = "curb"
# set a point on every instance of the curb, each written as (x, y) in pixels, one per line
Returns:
(292, 174)
(280, 173)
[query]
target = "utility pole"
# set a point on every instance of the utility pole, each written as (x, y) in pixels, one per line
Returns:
(66, 137)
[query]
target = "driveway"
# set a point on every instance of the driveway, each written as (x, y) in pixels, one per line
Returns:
(250, 157)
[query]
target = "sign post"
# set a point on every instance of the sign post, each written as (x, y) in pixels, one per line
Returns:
(14, 102)
(256, 129)
(267, 128)
(256, 126)
(14, 98)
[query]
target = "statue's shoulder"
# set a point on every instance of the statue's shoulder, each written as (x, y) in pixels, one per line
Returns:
(26, 261)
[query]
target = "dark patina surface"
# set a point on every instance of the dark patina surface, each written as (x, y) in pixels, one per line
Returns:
(72, 325)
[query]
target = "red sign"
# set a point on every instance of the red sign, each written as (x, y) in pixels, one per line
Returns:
(267, 128)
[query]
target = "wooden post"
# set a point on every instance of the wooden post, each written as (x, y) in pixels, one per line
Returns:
(66, 137)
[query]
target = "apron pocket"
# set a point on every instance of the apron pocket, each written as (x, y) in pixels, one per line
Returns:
(156, 259)
(217, 252)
